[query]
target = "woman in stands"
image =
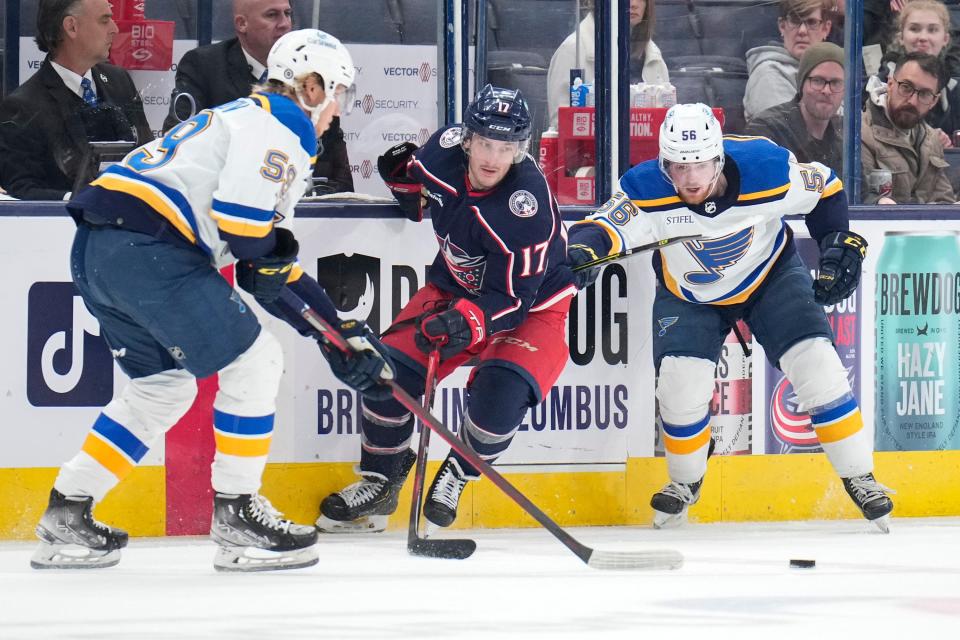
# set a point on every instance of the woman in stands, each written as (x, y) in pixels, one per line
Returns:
(924, 26)
(773, 68)
(646, 63)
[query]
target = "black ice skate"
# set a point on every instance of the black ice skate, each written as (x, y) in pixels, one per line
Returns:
(366, 505)
(71, 539)
(871, 498)
(671, 503)
(253, 536)
(440, 507)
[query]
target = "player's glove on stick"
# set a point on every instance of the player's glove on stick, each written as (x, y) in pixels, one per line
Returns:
(581, 254)
(366, 367)
(392, 167)
(841, 258)
(265, 276)
(460, 327)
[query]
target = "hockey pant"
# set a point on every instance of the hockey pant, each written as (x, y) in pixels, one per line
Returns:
(498, 398)
(149, 406)
(820, 381)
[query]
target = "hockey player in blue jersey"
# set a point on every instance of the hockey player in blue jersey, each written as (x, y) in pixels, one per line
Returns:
(734, 191)
(151, 233)
(498, 292)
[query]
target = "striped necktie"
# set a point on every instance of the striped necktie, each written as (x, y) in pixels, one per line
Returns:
(88, 95)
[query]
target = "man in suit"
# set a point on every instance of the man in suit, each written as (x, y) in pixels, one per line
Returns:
(218, 73)
(46, 124)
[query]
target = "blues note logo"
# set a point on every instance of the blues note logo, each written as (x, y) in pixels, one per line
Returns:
(68, 363)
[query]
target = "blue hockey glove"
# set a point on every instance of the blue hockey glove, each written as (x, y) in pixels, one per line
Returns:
(392, 167)
(463, 326)
(841, 259)
(265, 276)
(366, 367)
(579, 254)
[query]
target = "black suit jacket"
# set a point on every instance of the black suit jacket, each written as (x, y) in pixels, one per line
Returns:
(45, 128)
(218, 73)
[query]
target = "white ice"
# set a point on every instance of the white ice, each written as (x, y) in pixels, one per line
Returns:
(735, 583)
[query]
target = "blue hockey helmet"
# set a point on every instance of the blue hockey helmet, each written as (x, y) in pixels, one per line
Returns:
(499, 114)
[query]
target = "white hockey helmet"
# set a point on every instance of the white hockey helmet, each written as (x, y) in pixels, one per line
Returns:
(690, 133)
(306, 51)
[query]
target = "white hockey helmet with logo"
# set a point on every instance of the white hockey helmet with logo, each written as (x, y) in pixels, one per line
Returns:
(690, 133)
(304, 51)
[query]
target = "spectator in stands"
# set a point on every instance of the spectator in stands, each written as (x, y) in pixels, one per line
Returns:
(646, 63)
(46, 124)
(807, 124)
(881, 28)
(219, 73)
(925, 28)
(895, 138)
(773, 68)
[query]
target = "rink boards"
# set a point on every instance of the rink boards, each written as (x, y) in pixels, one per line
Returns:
(587, 455)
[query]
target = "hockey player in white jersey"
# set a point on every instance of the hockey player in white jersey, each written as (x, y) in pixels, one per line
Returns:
(733, 192)
(151, 233)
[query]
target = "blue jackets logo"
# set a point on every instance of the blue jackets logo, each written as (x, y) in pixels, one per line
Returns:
(68, 363)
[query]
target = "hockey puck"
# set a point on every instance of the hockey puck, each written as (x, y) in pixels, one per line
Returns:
(802, 564)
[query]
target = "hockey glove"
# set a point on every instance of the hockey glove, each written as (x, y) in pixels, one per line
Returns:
(265, 276)
(463, 326)
(392, 167)
(579, 254)
(366, 367)
(841, 257)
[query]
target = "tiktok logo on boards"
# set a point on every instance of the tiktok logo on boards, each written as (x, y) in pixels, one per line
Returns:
(68, 363)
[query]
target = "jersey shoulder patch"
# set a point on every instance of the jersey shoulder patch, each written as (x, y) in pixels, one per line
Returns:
(764, 166)
(291, 117)
(646, 186)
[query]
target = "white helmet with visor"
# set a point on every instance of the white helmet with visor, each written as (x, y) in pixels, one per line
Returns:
(690, 133)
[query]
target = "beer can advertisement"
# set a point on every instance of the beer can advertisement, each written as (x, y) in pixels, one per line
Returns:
(789, 429)
(917, 356)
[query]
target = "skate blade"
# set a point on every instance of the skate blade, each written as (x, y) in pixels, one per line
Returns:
(248, 559)
(71, 556)
(663, 520)
(883, 523)
(367, 524)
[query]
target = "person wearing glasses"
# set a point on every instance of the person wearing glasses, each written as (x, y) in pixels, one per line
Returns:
(773, 67)
(896, 139)
(807, 124)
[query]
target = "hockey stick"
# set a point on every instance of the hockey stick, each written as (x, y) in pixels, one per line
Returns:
(417, 546)
(596, 558)
(626, 253)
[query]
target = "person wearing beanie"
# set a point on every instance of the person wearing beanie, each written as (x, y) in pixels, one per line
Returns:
(808, 125)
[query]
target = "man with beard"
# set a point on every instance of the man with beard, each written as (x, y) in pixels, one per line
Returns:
(806, 125)
(895, 138)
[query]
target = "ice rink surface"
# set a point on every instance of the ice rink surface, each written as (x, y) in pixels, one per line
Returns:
(736, 583)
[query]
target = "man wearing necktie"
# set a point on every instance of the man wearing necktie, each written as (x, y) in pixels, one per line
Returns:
(46, 124)
(215, 74)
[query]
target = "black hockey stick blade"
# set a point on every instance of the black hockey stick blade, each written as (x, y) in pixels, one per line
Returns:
(597, 559)
(448, 549)
(417, 546)
(659, 244)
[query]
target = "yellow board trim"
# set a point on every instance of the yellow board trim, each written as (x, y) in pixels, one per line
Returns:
(737, 489)
(687, 445)
(841, 429)
(242, 447)
(147, 194)
(106, 455)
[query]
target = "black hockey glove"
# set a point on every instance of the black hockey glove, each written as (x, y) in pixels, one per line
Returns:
(265, 276)
(392, 167)
(841, 257)
(364, 368)
(460, 327)
(579, 254)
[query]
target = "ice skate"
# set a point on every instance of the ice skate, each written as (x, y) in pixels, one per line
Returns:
(871, 498)
(670, 504)
(365, 506)
(253, 536)
(70, 538)
(440, 507)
